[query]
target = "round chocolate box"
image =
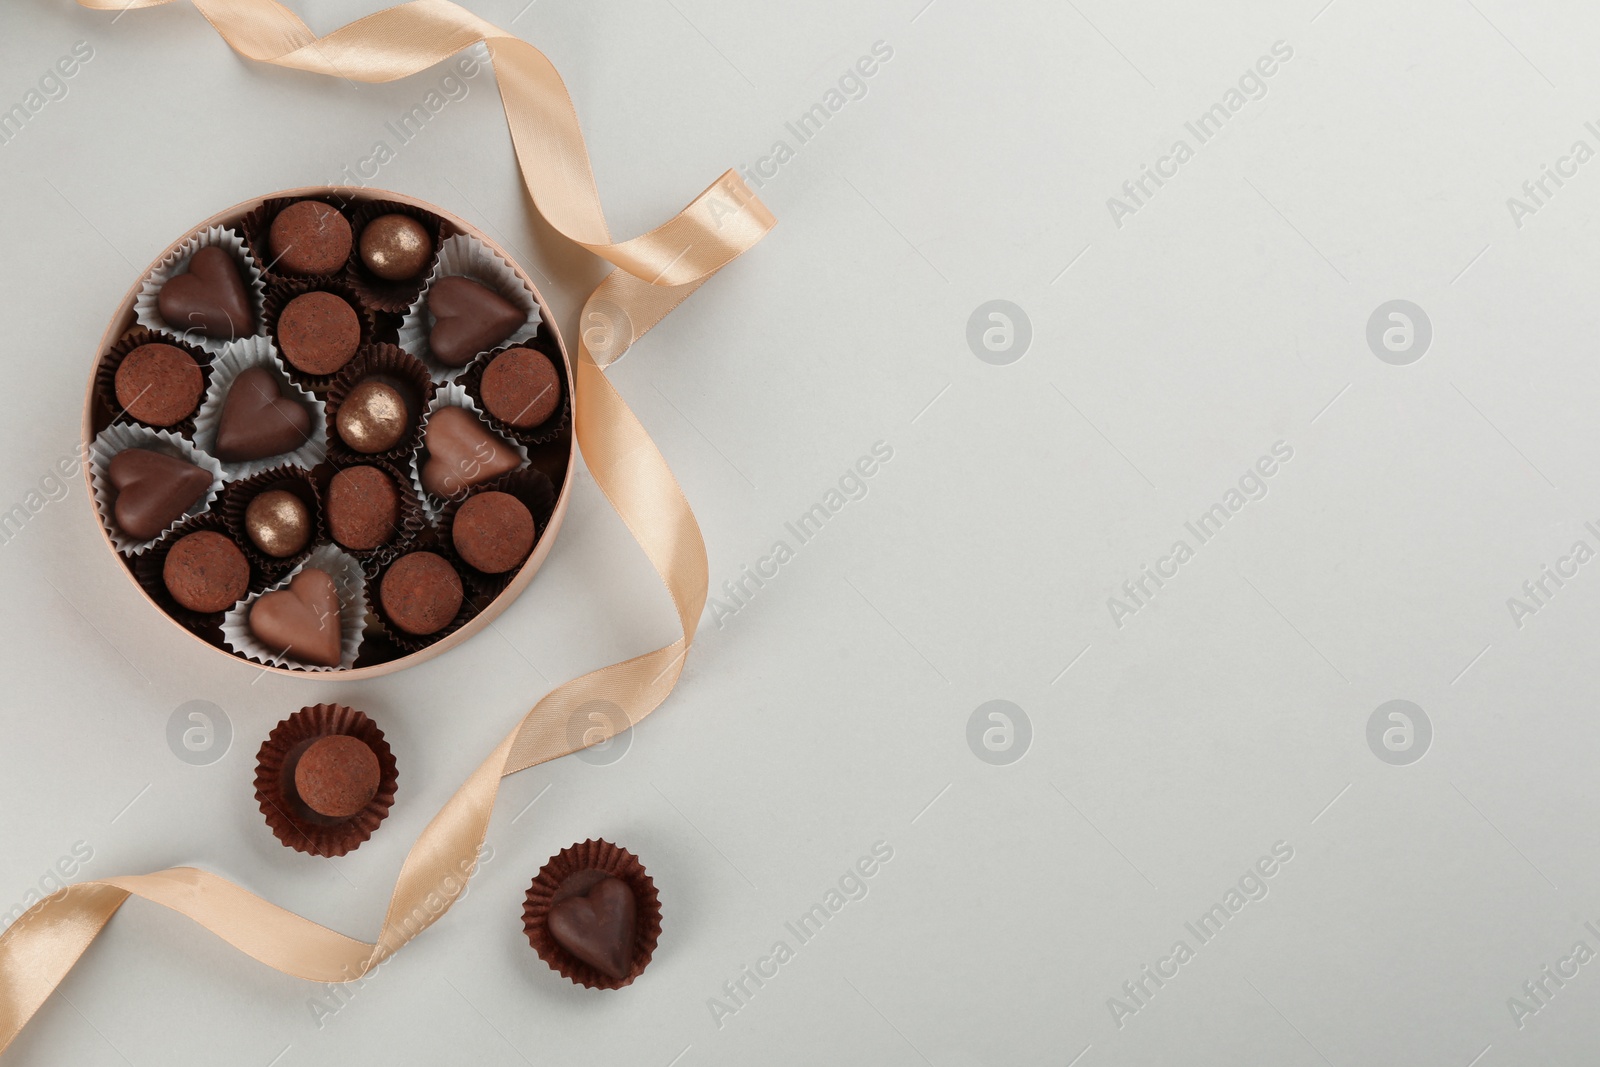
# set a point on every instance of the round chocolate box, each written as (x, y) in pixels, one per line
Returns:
(268, 421)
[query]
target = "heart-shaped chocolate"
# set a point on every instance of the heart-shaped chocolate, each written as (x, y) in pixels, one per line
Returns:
(301, 621)
(461, 453)
(209, 298)
(259, 421)
(153, 490)
(598, 928)
(468, 318)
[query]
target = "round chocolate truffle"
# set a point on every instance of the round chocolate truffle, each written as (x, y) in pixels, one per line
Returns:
(206, 572)
(159, 385)
(395, 247)
(521, 386)
(309, 237)
(363, 508)
(278, 523)
(373, 418)
(421, 593)
(318, 332)
(337, 776)
(493, 532)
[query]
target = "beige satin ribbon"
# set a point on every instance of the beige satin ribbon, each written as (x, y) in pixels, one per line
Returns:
(656, 272)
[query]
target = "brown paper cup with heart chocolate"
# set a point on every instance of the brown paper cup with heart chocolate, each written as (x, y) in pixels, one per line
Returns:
(325, 779)
(593, 915)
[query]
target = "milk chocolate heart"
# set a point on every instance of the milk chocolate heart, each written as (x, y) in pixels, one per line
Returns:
(258, 421)
(301, 622)
(153, 490)
(461, 453)
(468, 318)
(598, 928)
(209, 298)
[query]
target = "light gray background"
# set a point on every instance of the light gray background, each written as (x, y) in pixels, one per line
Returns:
(1168, 755)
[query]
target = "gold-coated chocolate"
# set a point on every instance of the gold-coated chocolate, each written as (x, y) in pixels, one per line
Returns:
(395, 247)
(278, 523)
(373, 418)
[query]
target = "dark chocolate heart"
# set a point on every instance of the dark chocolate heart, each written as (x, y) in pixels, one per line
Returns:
(153, 490)
(301, 621)
(468, 318)
(209, 298)
(258, 421)
(598, 928)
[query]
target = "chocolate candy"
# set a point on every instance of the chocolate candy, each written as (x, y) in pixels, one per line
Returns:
(259, 421)
(160, 385)
(153, 490)
(309, 237)
(598, 926)
(521, 386)
(208, 298)
(421, 593)
(337, 776)
(301, 621)
(363, 508)
(461, 453)
(468, 318)
(395, 247)
(493, 532)
(374, 417)
(206, 572)
(318, 332)
(278, 523)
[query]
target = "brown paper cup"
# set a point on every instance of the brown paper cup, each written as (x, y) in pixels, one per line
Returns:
(573, 872)
(105, 380)
(278, 296)
(236, 501)
(147, 570)
(537, 495)
(548, 430)
(257, 225)
(380, 293)
(296, 825)
(396, 367)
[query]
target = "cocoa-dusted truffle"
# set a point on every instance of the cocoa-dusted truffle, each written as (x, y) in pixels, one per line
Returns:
(206, 572)
(395, 247)
(309, 237)
(493, 532)
(421, 593)
(159, 385)
(363, 508)
(319, 332)
(153, 490)
(337, 776)
(521, 386)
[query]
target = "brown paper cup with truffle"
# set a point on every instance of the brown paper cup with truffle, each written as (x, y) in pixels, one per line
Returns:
(257, 226)
(573, 872)
(105, 381)
(560, 419)
(409, 526)
(393, 366)
(537, 495)
(147, 570)
(416, 642)
(381, 294)
(296, 825)
(281, 292)
(236, 501)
